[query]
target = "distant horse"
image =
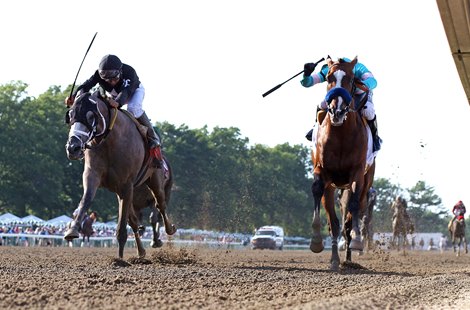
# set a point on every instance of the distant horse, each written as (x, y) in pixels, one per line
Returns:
(457, 232)
(117, 158)
(87, 228)
(401, 223)
(340, 160)
(143, 198)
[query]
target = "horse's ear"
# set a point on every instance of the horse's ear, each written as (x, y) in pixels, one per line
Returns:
(354, 61)
(329, 62)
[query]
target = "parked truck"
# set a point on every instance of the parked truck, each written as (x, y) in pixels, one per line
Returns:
(268, 237)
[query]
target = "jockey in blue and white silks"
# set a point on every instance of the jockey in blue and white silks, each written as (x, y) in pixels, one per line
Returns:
(360, 72)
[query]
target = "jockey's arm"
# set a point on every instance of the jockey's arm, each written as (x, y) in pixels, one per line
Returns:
(361, 72)
(315, 78)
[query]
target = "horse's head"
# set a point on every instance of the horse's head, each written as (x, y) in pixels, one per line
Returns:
(340, 79)
(83, 120)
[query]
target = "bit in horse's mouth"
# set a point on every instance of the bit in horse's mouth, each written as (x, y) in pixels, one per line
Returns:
(78, 156)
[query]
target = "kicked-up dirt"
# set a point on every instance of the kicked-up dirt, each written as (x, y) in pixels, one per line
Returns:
(220, 278)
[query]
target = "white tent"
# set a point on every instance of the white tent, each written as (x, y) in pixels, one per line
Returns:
(9, 218)
(110, 224)
(32, 219)
(62, 220)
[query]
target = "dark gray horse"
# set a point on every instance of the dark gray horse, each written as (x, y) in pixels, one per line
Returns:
(117, 158)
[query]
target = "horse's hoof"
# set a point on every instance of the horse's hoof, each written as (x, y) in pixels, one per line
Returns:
(171, 230)
(142, 254)
(356, 245)
(316, 247)
(156, 244)
(334, 266)
(72, 233)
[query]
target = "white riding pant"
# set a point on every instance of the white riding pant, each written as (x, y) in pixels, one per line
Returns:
(134, 105)
(368, 111)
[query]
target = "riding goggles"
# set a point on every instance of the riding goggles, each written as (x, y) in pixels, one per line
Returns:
(109, 74)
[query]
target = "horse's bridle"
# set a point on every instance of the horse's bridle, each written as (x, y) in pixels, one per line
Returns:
(347, 96)
(92, 126)
(343, 96)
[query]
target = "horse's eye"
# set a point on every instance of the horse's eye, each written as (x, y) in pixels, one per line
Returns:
(90, 118)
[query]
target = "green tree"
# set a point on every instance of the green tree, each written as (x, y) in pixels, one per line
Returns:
(386, 194)
(425, 208)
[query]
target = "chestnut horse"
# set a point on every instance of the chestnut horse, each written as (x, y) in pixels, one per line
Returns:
(117, 158)
(340, 161)
(457, 232)
(401, 223)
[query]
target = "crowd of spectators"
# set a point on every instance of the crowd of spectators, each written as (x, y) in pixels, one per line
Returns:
(34, 234)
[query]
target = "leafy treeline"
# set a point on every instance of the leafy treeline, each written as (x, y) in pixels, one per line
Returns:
(221, 181)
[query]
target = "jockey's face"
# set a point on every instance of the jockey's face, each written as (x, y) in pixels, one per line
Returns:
(113, 82)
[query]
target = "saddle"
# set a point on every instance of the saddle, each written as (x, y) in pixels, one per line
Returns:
(142, 129)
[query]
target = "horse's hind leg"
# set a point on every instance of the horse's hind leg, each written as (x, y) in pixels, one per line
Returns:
(155, 183)
(134, 224)
(346, 222)
(465, 244)
(353, 207)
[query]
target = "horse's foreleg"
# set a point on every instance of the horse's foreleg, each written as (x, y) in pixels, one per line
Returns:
(333, 222)
(155, 218)
(90, 185)
(125, 197)
(156, 185)
(316, 243)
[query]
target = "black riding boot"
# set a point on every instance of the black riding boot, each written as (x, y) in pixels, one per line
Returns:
(153, 138)
(375, 136)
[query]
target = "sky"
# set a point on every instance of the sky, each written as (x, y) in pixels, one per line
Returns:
(208, 62)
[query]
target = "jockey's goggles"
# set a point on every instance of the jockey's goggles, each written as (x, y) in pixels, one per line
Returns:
(109, 74)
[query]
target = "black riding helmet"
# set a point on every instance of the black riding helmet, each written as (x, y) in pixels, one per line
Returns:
(110, 67)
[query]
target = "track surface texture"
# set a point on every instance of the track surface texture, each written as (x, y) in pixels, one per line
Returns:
(220, 278)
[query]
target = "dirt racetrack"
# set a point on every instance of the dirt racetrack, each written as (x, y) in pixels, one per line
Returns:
(202, 278)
